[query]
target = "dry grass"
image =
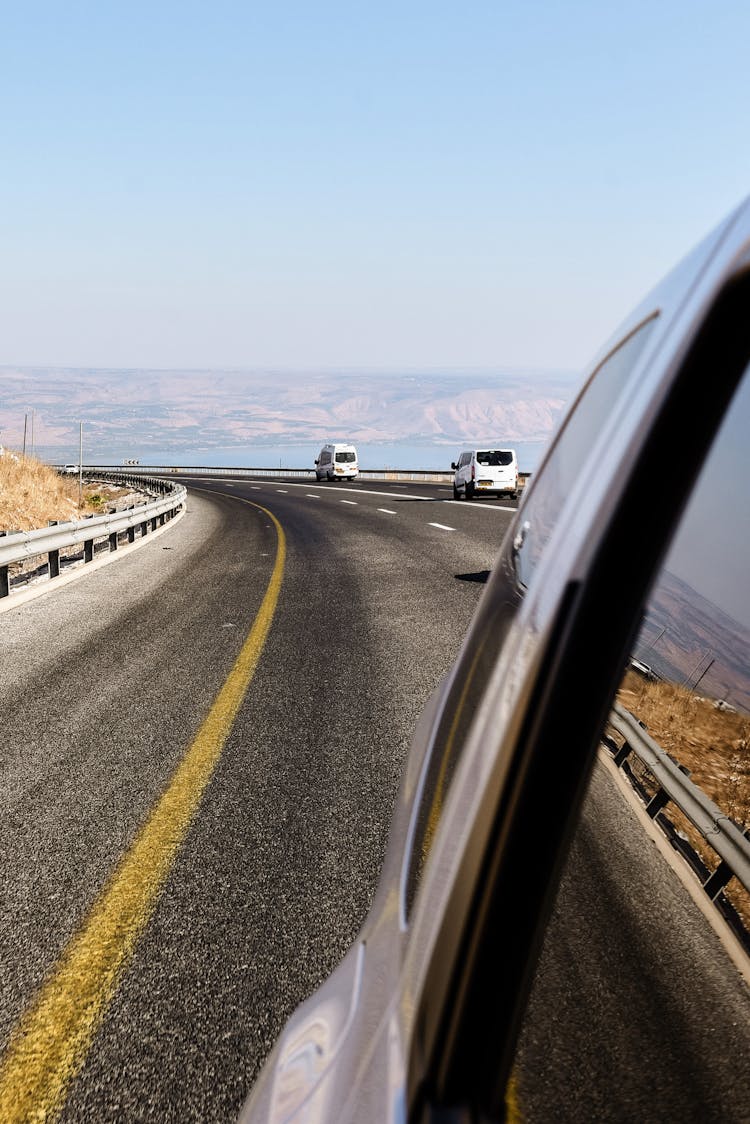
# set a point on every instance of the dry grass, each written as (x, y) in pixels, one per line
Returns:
(714, 745)
(31, 493)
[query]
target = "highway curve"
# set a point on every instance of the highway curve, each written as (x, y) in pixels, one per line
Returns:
(242, 907)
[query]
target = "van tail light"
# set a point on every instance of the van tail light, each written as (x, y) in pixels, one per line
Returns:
(473, 471)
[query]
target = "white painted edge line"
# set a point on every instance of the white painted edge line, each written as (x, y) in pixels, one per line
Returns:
(387, 511)
(473, 506)
(482, 507)
(21, 596)
(441, 526)
(353, 503)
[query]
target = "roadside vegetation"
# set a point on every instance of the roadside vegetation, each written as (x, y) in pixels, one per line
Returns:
(711, 743)
(32, 494)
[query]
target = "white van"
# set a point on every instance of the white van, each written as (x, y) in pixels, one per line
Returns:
(485, 472)
(337, 462)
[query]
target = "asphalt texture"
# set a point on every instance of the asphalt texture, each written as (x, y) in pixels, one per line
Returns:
(103, 685)
(636, 1012)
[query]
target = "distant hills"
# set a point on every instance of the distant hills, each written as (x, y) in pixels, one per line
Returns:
(133, 411)
(689, 640)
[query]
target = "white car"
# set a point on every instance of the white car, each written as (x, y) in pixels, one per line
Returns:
(337, 462)
(485, 472)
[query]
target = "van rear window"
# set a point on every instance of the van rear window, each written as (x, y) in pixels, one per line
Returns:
(346, 458)
(495, 457)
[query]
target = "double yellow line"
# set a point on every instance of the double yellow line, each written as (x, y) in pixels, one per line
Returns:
(50, 1043)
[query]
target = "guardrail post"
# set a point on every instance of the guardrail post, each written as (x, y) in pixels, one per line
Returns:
(153, 523)
(144, 528)
(4, 574)
(619, 755)
(88, 546)
(716, 882)
(131, 530)
(53, 557)
(656, 803)
(113, 541)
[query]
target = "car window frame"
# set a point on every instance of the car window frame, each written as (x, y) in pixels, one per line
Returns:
(455, 1062)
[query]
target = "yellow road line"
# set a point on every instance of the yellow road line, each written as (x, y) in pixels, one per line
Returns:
(513, 1114)
(49, 1045)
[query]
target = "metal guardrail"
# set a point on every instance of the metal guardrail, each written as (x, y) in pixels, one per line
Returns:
(728, 842)
(21, 546)
(416, 475)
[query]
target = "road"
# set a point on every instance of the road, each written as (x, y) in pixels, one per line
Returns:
(242, 907)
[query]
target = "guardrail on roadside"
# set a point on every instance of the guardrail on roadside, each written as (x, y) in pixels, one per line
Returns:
(672, 785)
(415, 475)
(21, 546)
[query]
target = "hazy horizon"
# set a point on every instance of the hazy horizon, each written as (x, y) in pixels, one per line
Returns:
(172, 415)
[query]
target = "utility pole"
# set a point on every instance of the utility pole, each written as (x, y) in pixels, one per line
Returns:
(686, 680)
(654, 642)
(32, 431)
(708, 668)
(25, 421)
(80, 467)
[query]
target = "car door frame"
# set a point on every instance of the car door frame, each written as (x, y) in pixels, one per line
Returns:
(491, 876)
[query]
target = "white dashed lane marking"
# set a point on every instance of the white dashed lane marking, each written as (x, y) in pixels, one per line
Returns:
(387, 510)
(311, 496)
(352, 502)
(441, 526)
(282, 491)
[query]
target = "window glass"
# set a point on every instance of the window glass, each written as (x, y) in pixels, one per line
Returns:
(495, 458)
(345, 458)
(572, 448)
(560, 471)
(626, 935)
(688, 680)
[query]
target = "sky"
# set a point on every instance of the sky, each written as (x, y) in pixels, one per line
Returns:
(370, 186)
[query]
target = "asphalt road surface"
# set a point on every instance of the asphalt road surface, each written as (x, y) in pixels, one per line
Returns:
(282, 639)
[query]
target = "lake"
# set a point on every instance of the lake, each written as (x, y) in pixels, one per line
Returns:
(435, 457)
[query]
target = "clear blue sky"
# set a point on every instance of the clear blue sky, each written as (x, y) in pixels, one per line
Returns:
(390, 185)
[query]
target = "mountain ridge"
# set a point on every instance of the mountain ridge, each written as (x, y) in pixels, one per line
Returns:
(183, 408)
